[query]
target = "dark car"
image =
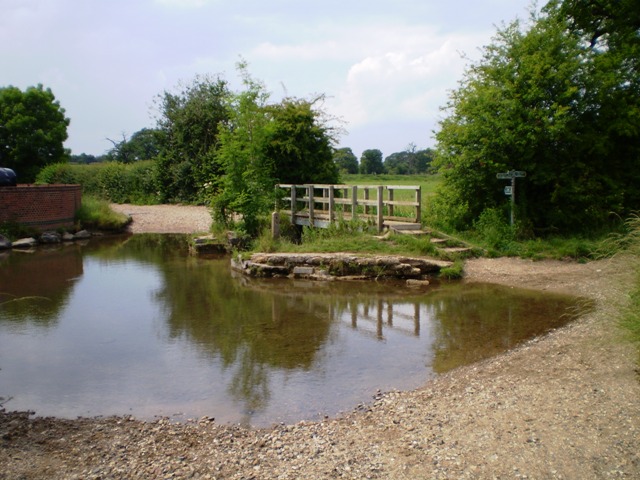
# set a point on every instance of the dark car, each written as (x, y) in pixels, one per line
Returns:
(7, 177)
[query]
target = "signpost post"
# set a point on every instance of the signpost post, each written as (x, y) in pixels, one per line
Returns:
(511, 189)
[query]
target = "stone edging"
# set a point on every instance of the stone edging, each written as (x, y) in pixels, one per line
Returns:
(338, 266)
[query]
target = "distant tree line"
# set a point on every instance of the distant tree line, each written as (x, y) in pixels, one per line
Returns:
(408, 162)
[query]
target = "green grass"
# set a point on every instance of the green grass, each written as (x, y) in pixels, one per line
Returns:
(95, 213)
(630, 245)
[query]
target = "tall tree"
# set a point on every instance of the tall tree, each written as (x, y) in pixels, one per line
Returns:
(33, 128)
(143, 145)
(189, 124)
(410, 161)
(345, 160)
(533, 103)
(299, 143)
(371, 162)
(263, 144)
(246, 185)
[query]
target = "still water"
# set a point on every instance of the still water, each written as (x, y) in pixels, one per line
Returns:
(134, 325)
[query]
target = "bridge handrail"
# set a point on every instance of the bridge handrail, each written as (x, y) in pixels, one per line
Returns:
(329, 199)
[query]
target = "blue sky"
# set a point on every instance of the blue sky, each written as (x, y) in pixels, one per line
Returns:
(384, 66)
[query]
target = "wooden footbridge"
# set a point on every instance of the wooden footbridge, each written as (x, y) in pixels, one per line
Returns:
(387, 206)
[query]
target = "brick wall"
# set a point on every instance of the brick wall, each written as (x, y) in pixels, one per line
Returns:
(43, 207)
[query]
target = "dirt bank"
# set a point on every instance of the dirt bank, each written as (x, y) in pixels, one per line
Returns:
(563, 406)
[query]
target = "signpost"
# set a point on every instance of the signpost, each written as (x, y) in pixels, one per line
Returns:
(511, 189)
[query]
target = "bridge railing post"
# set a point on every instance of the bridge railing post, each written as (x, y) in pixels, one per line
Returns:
(294, 204)
(354, 202)
(331, 204)
(311, 205)
(380, 208)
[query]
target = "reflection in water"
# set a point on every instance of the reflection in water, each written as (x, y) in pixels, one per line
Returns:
(140, 327)
(34, 286)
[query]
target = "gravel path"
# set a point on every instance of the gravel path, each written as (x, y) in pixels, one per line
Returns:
(166, 218)
(564, 406)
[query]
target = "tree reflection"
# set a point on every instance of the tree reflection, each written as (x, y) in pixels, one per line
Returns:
(248, 329)
(35, 286)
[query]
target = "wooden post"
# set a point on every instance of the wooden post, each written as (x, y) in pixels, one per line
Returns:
(294, 205)
(380, 208)
(390, 190)
(418, 204)
(354, 202)
(311, 206)
(366, 197)
(331, 204)
(275, 225)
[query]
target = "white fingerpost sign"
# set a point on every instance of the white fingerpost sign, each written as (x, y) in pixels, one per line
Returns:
(510, 190)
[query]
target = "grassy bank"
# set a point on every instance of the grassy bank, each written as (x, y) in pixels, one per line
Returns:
(95, 213)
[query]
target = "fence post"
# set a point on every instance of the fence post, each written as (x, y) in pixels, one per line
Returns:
(380, 208)
(418, 204)
(275, 225)
(354, 202)
(390, 190)
(366, 197)
(331, 204)
(311, 206)
(294, 205)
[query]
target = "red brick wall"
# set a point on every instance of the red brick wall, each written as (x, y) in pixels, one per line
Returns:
(44, 207)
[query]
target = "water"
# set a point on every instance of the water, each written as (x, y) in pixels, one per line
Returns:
(133, 325)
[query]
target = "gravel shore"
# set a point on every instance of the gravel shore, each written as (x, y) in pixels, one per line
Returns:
(564, 406)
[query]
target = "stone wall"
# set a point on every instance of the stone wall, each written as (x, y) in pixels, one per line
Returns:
(43, 207)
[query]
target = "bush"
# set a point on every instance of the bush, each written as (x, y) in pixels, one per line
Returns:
(493, 229)
(113, 181)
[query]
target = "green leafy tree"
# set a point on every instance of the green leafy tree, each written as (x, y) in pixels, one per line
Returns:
(33, 128)
(85, 158)
(345, 160)
(298, 142)
(247, 183)
(188, 124)
(371, 162)
(409, 162)
(535, 102)
(263, 144)
(144, 144)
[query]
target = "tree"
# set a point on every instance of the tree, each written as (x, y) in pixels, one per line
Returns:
(188, 125)
(371, 162)
(263, 144)
(85, 158)
(345, 160)
(33, 128)
(411, 161)
(246, 185)
(144, 144)
(536, 102)
(299, 143)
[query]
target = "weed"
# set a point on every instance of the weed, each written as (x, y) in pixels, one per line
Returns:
(454, 272)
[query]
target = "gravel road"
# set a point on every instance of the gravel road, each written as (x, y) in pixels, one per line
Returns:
(166, 218)
(564, 406)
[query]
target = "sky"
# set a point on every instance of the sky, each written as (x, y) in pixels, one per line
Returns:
(385, 67)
